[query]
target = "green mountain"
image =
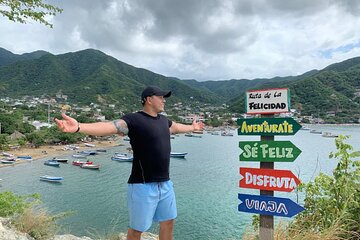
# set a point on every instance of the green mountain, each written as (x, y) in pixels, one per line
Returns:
(335, 89)
(90, 76)
(229, 89)
(7, 57)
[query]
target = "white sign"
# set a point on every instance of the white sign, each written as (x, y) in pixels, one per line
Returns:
(267, 101)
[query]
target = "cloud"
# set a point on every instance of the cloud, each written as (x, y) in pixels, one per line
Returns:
(204, 39)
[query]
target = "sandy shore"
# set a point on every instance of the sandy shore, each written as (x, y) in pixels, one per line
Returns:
(56, 150)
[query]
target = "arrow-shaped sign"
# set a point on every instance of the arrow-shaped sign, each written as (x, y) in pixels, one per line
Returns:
(268, 151)
(267, 126)
(266, 205)
(268, 179)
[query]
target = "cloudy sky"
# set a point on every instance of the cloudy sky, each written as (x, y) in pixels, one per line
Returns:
(200, 39)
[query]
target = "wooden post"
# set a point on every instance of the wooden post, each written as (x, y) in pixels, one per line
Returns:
(266, 221)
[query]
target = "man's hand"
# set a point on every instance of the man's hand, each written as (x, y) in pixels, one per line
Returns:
(198, 126)
(68, 124)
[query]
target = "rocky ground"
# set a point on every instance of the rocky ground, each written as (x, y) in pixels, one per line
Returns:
(7, 232)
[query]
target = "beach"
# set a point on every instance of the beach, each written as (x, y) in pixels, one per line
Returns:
(51, 151)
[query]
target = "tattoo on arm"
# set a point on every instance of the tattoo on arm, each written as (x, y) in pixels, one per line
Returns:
(119, 128)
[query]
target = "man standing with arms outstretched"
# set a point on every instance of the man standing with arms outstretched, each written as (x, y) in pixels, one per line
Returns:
(151, 195)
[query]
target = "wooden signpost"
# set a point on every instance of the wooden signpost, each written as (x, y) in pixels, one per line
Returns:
(266, 151)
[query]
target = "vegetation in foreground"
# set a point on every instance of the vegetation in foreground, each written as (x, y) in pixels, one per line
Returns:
(332, 203)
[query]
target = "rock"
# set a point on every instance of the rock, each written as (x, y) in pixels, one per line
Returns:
(70, 237)
(8, 233)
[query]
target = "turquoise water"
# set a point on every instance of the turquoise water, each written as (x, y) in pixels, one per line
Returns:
(206, 185)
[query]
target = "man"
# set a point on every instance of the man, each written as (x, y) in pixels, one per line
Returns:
(151, 195)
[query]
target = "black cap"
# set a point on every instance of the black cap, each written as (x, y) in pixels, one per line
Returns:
(154, 91)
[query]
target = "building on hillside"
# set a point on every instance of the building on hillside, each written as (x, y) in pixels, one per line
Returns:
(16, 135)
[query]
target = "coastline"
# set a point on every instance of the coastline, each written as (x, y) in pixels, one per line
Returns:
(51, 151)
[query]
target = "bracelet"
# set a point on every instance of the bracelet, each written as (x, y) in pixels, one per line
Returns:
(78, 128)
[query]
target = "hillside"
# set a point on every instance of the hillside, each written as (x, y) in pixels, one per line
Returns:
(7, 57)
(87, 76)
(91, 76)
(335, 89)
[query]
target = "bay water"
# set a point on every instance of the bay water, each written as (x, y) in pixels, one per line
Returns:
(206, 183)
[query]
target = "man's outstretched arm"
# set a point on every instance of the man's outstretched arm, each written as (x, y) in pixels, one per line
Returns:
(71, 125)
(184, 128)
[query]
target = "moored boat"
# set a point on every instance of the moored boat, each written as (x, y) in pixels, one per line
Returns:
(329, 135)
(90, 166)
(79, 156)
(61, 160)
(4, 161)
(315, 131)
(122, 157)
(51, 178)
(89, 144)
(88, 152)
(52, 163)
(27, 157)
(178, 154)
(79, 163)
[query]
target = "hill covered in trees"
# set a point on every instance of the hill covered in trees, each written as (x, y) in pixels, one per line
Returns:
(91, 76)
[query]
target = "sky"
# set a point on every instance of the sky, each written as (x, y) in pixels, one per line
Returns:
(200, 39)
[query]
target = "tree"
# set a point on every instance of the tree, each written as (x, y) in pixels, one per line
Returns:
(334, 200)
(24, 10)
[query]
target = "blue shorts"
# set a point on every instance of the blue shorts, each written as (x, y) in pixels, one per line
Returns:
(148, 202)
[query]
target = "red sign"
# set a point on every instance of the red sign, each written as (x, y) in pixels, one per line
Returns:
(268, 179)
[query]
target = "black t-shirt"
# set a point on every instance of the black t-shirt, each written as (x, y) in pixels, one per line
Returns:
(150, 141)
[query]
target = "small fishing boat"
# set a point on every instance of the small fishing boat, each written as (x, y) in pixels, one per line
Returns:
(79, 163)
(27, 157)
(4, 161)
(178, 154)
(51, 178)
(227, 134)
(52, 163)
(89, 144)
(6, 154)
(88, 152)
(61, 160)
(192, 135)
(79, 156)
(122, 157)
(90, 166)
(329, 135)
(101, 150)
(315, 131)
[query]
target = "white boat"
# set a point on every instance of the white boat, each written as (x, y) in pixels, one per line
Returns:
(89, 145)
(27, 157)
(6, 154)
(61, 160)
(90, 166)
(178, 154)
(226, 133)
(88, 152)
(315, 131)
(7, 161)
(79, 156)
(52, 163)
(122, 157)
(329, 135)
(51, 178)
